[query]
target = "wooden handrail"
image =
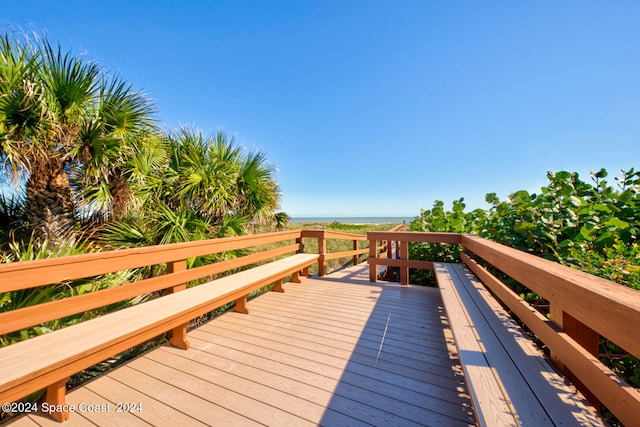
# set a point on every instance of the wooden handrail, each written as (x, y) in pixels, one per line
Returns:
(607, 307)
(30, 274)
(324, 235)
(582, 307)
(19, 319)
(450, 238)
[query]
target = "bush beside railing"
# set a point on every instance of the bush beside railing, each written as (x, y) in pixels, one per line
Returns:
(582, 307)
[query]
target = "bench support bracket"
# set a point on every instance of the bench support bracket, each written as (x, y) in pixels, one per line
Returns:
(241, 305)
(277, 286)
(179, 337)
(56, 395)
(295, 277)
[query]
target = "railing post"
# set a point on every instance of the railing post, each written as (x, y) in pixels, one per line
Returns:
(356, 256)
(373, 268)
(404, 255)
(389, 249)
(321, 250)
(178, 335)
(583, 335)
(300, 243)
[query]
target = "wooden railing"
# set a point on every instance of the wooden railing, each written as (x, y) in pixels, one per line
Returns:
(174, 277)
(582, 308)
(401, 241)
(32, 274)
(323, 235)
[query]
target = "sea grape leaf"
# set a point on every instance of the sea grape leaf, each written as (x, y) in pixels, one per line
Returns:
(586, 232)
(575, 201)
(521, 227)
(616, 222)
(601, 208)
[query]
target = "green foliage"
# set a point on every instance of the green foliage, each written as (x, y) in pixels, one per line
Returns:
(188, 186)
(66, 126)
(349, 228)
(440, 220)
(28, 251)
(591, 226)
(281, 220)
(570, 215)
(91, 171)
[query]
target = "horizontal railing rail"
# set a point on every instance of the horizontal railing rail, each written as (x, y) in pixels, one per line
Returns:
(582, 308)
(174, 274)
(400, 240)
(33, 274)
(323, 235)
(18, 276)
(30, 274)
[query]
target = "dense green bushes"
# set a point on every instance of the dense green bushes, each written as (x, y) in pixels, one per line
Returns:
(592, 226)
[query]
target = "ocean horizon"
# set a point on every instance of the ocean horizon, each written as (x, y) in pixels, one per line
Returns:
(353, 219)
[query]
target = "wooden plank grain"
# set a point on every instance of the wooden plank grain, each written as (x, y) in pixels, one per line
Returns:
(270, 394)
(80, 346)
(492, 407)
(286, 369)
(28, 274)
(181, 399)
(621, 397)
(499, 355)
(224, 394)
(560, 402)
(582, 295)
(152, 411)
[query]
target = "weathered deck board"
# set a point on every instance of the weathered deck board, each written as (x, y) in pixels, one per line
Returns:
(314, 355)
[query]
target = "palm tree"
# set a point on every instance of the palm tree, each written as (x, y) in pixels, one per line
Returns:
(258, 192)
(64, 123)
(189, 186)
(219, 178)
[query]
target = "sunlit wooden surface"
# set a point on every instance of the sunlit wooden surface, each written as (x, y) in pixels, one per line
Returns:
(337, 350)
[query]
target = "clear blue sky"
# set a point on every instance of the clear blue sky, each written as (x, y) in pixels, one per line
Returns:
(380, 107)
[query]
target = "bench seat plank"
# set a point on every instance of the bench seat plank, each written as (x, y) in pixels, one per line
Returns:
(491, 406)
(531, 387)
(35, 363)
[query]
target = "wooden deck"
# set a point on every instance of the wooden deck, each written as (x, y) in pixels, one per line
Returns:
(332, 351)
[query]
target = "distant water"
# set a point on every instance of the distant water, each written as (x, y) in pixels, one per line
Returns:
(355, 219)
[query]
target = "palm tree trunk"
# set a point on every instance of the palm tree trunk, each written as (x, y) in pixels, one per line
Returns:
(120, 194)
(49, 205)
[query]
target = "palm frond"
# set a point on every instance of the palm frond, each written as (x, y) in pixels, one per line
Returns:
(123, 111)
(70, 82)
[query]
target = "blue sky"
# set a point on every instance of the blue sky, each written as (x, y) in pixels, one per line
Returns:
(378, 108)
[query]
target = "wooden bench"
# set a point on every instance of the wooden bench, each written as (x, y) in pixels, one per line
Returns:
(510, 381)
(49, 360)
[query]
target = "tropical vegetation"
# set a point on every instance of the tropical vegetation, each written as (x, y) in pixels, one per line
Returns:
(592, 226)
(88, 169)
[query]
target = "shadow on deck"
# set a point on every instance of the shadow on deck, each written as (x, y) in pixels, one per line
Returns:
(332, 351)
